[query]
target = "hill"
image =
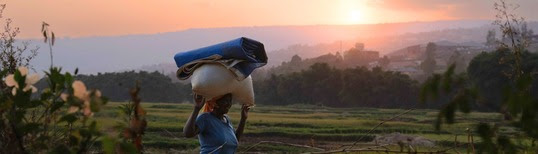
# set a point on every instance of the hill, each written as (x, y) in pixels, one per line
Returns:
(114, 53)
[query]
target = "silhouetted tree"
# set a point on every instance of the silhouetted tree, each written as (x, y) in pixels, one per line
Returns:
(428, 65)
(322, 84)
(491, 41)
(384, 62)
(458, 60)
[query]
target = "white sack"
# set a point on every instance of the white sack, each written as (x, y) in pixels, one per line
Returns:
(213, 79)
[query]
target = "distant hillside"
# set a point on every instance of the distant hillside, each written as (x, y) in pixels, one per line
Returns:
(106, 54)
(444, 50)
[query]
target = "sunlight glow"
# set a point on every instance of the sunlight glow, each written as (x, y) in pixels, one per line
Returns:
(355, 17)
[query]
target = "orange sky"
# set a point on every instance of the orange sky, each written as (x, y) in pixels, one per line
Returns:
(80, 18)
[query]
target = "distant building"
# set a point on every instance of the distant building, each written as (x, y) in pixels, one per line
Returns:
(408, 53)
(359, 57)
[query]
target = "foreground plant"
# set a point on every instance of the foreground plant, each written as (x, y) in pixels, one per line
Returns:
(50, 121)
(519, 106)
(130, 130)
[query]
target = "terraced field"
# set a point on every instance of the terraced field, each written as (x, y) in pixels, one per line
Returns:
(300, 128)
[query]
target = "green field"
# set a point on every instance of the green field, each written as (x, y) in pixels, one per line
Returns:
(315, 126)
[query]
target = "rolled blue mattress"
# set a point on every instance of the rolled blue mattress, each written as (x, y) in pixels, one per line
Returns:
(241, 56)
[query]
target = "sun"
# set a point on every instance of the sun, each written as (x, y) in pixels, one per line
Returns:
(355, 17)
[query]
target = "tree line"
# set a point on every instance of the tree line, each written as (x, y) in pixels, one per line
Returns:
(323, 84)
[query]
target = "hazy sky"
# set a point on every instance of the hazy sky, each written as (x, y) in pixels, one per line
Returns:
(80, 18)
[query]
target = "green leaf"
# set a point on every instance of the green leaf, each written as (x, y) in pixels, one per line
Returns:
(20, 79)
(46, 94)
(70, 118)
(30, 127)
(22, 99)
(56, 105)
(68, 77)
(108, 145)
(56, 79)
(34, 103)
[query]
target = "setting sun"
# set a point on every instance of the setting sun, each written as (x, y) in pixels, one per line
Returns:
(353, 12)
(355, 17)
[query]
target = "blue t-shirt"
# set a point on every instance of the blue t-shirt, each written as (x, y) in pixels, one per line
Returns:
(213, 133)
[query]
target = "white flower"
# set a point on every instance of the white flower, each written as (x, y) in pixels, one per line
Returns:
(80, 91)
(10, 81)
(64, 96)
(23, 70)
(30, 81)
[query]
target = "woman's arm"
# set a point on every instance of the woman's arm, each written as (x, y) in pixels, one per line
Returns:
(190, 129)
(241, 127)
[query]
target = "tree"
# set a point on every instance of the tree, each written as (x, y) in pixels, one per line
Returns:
(322, 84)
(458, 61)
(429, 64)
(295, 60)
(490, 77)
(13, 54)
(490, 38)
(526, 33)
(384, 62)
(511, 67)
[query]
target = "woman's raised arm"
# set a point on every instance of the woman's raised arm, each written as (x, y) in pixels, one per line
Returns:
(190, 129)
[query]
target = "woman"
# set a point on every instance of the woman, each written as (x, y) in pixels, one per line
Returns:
(214, 127)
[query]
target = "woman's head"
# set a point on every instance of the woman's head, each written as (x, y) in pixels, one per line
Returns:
(223, 104)
(219, 104)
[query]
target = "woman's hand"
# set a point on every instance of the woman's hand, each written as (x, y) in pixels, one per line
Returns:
(190, 129)
(244, 111)
(241, 127)
(199, 101)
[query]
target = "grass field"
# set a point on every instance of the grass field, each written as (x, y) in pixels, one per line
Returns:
(320, 127)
